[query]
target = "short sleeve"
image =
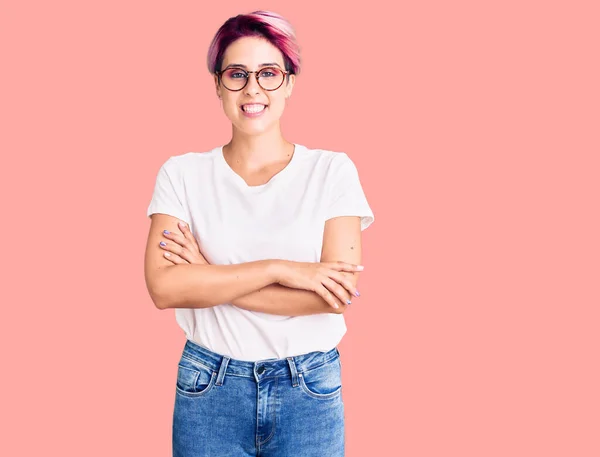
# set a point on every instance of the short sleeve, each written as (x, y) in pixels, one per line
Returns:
(346, 195)
(168, 196)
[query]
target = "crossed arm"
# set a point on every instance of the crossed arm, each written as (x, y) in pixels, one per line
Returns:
(251, 285)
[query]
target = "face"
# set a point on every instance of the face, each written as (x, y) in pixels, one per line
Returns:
(251, 53)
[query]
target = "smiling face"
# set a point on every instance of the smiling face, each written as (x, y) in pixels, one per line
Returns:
(252, 53)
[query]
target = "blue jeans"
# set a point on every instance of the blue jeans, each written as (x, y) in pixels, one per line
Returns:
(271, 408)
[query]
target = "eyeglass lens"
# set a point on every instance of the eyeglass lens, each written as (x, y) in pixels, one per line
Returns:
(269, 78)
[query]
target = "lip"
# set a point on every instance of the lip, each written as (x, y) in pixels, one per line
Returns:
(251, 115)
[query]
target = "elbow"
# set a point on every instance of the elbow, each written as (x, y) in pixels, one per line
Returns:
(161, 294)
(166, 294)
(166, 300)
(159, 298)
(161, 304)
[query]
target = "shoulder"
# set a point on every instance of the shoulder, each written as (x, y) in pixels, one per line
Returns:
(189, 162)
(187, 159)
(330, 160)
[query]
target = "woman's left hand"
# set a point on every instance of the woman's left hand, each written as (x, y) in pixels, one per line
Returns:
(182, 249)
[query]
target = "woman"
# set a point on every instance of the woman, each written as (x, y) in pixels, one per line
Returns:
(256, 244)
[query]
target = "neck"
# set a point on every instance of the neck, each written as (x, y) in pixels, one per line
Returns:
(254, 151)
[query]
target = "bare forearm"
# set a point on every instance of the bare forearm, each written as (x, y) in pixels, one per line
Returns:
(202, 286)
(277, 299)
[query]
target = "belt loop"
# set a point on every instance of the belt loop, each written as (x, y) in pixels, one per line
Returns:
(293, 370)
(222, 369)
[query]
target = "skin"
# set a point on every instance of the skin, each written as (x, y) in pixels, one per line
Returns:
(257, 149)
(180, 276)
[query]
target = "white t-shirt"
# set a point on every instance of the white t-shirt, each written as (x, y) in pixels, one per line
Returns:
(236, 223)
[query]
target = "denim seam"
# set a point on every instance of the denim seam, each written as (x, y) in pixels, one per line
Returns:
(192, 359)
(274, 412)
(318, 366)
(319, 396)
(198, 394)
(195, 360)
(196, 374)
(293, 371)
(239, 375)
(223, 367)
(257, 440)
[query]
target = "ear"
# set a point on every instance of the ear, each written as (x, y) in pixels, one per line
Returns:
(217, 87)
(290, 86)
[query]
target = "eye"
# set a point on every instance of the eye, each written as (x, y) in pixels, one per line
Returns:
(270, 72)
(235, 73)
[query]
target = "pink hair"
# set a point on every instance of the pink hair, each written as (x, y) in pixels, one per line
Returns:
(265, 24)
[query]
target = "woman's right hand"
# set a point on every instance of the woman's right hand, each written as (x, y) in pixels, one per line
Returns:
(324, 278)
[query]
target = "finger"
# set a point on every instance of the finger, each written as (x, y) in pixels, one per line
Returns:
(344, 266)
(175, 248)
(176, 238)
(187, 233)
(338, 290)
(345, 281)
(190, 249)
(174, 258)
(328, 297)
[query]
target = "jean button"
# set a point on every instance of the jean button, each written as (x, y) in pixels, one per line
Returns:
(260, 370)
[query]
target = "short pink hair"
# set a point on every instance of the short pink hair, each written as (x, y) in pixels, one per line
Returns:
(265, 24)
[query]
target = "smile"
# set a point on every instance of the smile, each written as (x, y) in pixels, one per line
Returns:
(253, 110)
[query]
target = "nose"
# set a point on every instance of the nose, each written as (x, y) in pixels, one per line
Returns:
(252, 87)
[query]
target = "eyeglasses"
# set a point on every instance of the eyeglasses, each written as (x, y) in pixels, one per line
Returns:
(269, 78)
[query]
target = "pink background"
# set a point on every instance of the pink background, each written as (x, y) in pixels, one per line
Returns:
(475, 129)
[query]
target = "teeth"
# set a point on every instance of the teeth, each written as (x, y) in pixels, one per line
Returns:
(253, 108)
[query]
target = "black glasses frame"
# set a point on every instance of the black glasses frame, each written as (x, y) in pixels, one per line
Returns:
(256, 72)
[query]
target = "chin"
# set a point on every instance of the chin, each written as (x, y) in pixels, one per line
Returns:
(255, 128)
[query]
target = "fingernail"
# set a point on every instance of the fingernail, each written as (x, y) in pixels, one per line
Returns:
(162, 243)
(360, 268)
(166, 232)
(348, 302)
(357, 294)
(182, 224)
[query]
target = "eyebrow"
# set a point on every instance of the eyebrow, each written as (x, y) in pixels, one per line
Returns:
(261, 65)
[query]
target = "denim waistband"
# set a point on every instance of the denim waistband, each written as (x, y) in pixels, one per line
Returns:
(289, 366)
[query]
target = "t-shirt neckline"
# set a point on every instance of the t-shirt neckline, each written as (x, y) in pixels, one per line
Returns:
(242, 183)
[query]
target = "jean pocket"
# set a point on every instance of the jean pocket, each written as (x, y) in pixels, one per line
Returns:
(323, 382)
(193, 378)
